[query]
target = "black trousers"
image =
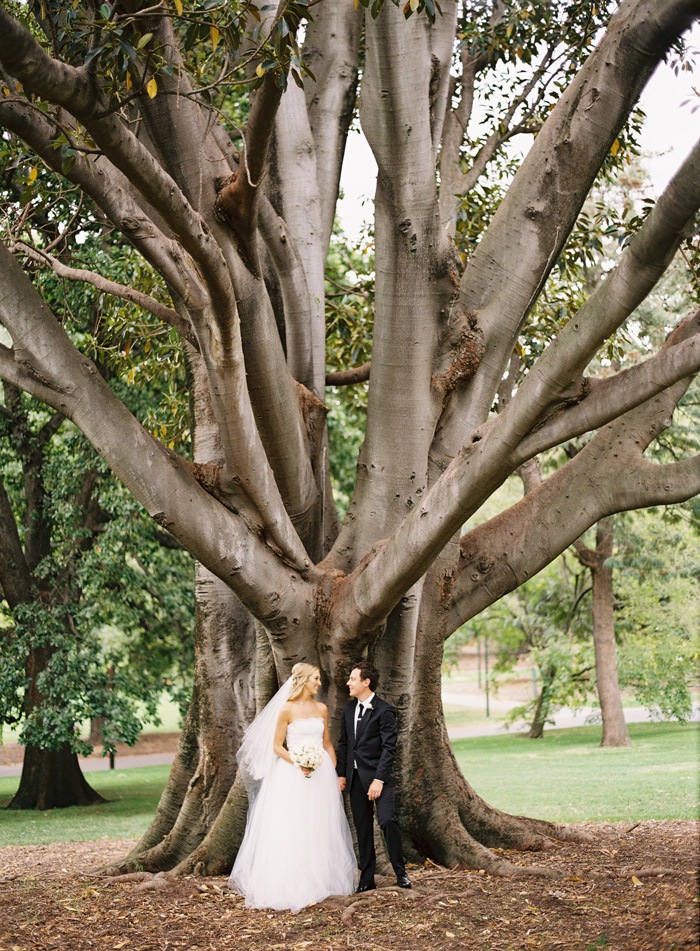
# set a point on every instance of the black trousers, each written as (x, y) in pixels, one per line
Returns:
(363, 817)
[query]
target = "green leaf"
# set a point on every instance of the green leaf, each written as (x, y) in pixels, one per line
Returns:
(128, 49)
(93, 53)
(68, 163)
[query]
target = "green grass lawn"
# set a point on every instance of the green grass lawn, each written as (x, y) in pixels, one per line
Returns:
(133, 795)
(465, 716)
(567, 777)
(564, 777)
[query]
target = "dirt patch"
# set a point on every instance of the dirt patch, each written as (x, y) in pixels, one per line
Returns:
(12, 754)
(634, 889)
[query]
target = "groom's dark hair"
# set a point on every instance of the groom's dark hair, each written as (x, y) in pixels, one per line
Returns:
(367, 672)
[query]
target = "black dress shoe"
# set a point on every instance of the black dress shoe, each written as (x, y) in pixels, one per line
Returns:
(403, 882)
(368, 887)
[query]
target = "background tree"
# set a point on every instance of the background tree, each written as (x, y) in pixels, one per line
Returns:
(98, 596)
(597, 560)
(544, 624)
(545, 627)
(32, 646)
(99, 625)
(232, 207)
(656, 569)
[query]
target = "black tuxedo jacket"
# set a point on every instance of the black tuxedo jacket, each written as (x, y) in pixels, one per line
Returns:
(374, 746)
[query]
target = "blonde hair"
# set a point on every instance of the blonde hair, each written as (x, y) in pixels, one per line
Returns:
(300, 674)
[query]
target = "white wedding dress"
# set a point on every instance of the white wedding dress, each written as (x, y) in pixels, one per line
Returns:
(297, 848)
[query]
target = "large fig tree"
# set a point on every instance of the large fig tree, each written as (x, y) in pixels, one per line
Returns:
(230, 200)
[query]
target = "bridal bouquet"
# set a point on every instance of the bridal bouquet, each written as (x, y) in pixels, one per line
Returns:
(307, 757)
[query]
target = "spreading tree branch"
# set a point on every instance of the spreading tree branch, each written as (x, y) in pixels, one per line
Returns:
(492, 451)
(218, 328)
(110, 190)
(331, 52)
(106, 286)
(504, 276)
(610, 474)
(349, 377)
(641, 265)
(74, 90)
(238, 199)
(44, 362)
(620, 392)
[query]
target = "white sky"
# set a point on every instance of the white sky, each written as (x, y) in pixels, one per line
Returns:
(671, 130)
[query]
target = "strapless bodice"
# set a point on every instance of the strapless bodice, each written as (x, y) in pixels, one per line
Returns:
(307, 731)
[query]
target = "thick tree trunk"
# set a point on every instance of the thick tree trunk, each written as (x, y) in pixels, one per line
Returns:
(52, 779)
(444, 817)
(615, 732)
(441, 816)
(223, 703)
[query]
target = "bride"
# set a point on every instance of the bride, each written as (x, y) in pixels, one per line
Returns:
(297, 847)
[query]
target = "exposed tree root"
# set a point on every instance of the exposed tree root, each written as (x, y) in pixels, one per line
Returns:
(650, 872)
(126, 877)
(553, 830)
(448, 822)
(348, 914)
(632, 873)
(452, 845)
(184, 823)
(168, 811)
(215, 854)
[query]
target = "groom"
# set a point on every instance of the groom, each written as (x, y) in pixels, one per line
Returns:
(365, 751)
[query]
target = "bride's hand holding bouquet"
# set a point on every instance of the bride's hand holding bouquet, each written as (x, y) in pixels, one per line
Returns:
(307, 758)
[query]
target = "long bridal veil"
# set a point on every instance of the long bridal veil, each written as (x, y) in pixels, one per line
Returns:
(256, 756)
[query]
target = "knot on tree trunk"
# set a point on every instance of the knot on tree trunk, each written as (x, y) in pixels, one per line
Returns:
(313, 412)
(468, 349)
(227, 202)
(235, 206)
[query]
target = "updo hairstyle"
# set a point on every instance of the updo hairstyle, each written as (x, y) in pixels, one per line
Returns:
(300, 674)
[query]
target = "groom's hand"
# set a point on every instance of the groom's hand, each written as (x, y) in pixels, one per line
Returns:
(341, 783)
(375, 789)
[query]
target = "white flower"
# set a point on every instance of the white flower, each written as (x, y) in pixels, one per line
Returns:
(368, 706)
(307, 757)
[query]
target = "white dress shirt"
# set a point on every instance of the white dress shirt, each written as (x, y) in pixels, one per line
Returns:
(365, 703)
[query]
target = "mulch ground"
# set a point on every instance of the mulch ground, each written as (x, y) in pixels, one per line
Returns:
(633, 889)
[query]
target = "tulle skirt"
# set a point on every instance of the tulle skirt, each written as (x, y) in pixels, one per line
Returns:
(297, 848)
